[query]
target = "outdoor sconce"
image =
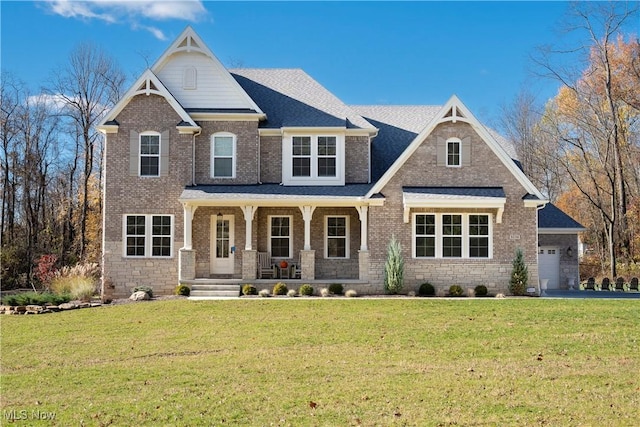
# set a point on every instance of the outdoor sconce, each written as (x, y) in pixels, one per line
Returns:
(569, 252)
(220, 217)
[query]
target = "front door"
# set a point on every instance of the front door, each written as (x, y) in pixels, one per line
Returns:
(222, 246)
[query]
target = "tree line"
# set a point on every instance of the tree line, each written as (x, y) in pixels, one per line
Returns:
(51, 157)
(582, 147)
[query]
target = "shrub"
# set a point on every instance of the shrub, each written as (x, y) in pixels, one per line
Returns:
(336, 288)
(280, 289)
(394, 268)
(264, 293)
(481, 291)
(519, 275)
(292, 293)
(147, 289)
(33, 298)
(82, 289)
(306, 290)
(351, 293)
(79, 280)
(456, 291)
(45, 269)
(426, 290)
(183, 290)
(324, 292)
(249, 289)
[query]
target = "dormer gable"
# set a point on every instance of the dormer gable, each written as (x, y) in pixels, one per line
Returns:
(199, 81)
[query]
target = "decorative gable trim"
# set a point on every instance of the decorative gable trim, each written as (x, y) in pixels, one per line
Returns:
(147, 84)
(190, 41)
(453, 111)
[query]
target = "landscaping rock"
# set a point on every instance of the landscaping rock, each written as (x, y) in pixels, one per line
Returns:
(67, 306)
(139, 296)
(34, 309)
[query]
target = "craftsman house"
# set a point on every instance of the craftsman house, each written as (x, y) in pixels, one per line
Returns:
(213, 177)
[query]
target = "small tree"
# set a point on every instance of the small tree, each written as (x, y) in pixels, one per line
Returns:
(394, 268)
(519, 275)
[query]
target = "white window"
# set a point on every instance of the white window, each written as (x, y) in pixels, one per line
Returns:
(149, 154)
(336, 237)
(148, 236)
(223, 155)
(454, 152)
(313, 159)
(280, 239)
(452, 235)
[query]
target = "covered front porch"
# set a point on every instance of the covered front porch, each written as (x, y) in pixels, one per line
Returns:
(248, 237)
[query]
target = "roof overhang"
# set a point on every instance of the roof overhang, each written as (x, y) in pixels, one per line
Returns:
(228, 117)
(561, 230)
(423, 199)
(318, 130)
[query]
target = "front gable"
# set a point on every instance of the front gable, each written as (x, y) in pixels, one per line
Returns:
(455, 124)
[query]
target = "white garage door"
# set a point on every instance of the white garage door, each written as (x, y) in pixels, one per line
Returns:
(549, 266)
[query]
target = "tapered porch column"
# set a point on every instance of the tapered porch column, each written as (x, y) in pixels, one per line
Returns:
(249, 212)
(307, 214)
(363, 213)
(189, 212)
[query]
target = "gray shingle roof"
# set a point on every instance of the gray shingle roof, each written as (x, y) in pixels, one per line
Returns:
(552, 217)
(290, 97)
(271, 191)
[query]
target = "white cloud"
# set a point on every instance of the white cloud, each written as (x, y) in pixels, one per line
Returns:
(131, 12)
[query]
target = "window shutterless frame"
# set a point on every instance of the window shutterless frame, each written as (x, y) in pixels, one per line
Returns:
(452, 235)
(148, 236)
(223, 155)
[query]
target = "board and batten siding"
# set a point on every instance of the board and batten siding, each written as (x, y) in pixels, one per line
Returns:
(213, 88)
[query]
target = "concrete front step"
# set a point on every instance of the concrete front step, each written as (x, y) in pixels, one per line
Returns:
(214, 291)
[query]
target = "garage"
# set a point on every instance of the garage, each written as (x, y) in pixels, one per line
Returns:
(549, 265)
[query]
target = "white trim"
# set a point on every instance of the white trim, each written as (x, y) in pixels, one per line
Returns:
(439, 235)
(313, 179)
(195, 44)
(426, 201)
(457, 141)
(233, 155)
(227, 117)
(561, 230)
(145, 80)
(461, 113)
(269, 236)
(148, 237)
(346, 237)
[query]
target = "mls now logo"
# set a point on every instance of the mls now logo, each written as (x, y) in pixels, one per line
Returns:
(16, 415)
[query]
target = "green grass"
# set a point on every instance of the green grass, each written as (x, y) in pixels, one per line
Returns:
(363, 362)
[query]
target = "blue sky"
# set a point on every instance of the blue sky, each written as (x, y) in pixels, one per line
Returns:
(364, 52)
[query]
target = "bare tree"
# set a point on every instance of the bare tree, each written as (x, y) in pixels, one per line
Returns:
(88, 86)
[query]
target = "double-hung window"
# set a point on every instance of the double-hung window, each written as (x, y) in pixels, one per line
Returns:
(149, 154)
(223, 155)
(337, 237)
(313, 159)
(454, 152)
(452, 235)
(148, 236)
(280, 236)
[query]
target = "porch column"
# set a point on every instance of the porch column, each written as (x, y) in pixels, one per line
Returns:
(363, 213)
(189, 211)
(307, 213)
(249, 212)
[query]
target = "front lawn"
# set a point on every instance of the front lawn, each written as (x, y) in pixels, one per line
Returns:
(327, 362)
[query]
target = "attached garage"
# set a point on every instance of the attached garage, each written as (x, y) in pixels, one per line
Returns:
(558, 248)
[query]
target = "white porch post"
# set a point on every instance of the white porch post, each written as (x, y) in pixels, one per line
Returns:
(363, 213)
(307, 214)
(189, 211)
(249, 212)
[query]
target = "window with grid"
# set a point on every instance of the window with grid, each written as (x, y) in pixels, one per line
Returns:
(425, 232)
(280, 236)
(453, 153)
(148, 235)
(337, 243)
(223, 156)
(452, 236)
(478, 236)
(326, 156)
(149, 155)
(301, 155)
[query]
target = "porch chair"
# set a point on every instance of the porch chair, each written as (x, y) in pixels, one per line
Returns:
(633, 286)
(606, 284)
(619, 286)
(590, 285)
(296, 269)
(265, 267)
